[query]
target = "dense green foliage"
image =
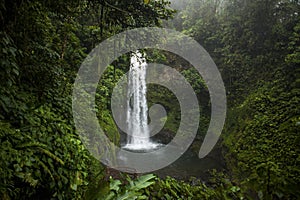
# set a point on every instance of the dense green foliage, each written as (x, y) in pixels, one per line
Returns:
(255, 44)
(42, 46)
(170, 188)
(151, 187)
(264, 149)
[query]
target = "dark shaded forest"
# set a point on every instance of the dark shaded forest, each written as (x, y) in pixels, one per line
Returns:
(254, 43)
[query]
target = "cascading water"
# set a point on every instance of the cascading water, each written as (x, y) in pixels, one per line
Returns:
(137, 111)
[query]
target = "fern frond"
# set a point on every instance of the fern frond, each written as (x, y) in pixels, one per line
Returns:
(31, 144)
(142, 182)
(29, 179)
(45, 168)
(51, 155)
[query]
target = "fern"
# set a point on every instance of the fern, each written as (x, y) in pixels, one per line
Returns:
(120, 191)
(29, 179)
(51, 155)
(30, 144)
(42, 148)
(45, 168)
(141, 182)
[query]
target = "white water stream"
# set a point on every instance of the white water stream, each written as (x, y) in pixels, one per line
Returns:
(137, 110)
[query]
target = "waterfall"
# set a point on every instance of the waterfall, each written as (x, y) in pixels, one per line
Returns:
(137, 110)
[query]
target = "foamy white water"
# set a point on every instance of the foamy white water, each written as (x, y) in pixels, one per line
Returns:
(137, 110)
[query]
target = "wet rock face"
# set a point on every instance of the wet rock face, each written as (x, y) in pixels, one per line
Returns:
(164, 136)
